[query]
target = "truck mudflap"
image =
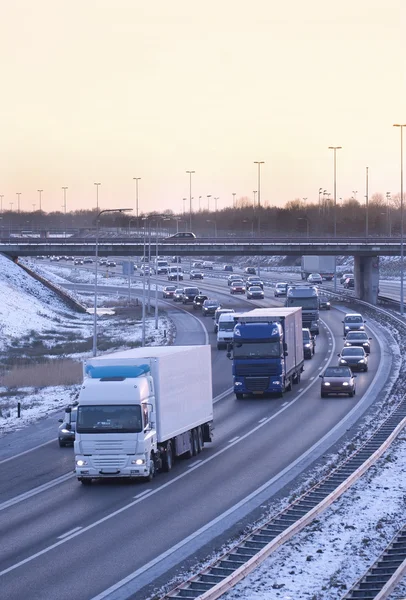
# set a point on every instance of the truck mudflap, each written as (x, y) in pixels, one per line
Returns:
(207, 431)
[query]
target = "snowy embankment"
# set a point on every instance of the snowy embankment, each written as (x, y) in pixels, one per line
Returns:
(31, 314)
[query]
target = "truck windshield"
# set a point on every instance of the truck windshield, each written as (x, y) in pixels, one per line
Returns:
(109, 419)
(226, 326)
(304, 302)
(257, 349)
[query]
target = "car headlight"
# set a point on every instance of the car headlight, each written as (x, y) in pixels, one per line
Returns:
(345, 382)
(365, 344)
(66, 430)
(342, 361)
(362, 360)
(346, 327)
(81, 463)
(361, 328)
(347, 343)
(307, 345)
(326, 383)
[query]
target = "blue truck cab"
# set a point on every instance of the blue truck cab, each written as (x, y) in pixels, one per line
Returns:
(267, 351)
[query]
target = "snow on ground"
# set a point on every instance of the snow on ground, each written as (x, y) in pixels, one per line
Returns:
(28, 309)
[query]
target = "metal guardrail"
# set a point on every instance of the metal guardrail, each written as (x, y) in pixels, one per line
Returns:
(383, 577)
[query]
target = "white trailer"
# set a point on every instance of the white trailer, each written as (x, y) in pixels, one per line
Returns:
(325, 265)
(140, 409)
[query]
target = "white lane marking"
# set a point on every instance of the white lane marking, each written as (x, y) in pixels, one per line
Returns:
(233, 440)
(311, 378)
(300, 389)
(284, 404)
(60, 537)
(164, 486)
(35, 491)
(326, 359)
(26, 451)
(142, 493)
(262, 420)
(195, 463)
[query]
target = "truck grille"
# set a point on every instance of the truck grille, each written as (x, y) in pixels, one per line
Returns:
(257, 384)
(109, 462)
(256, 370)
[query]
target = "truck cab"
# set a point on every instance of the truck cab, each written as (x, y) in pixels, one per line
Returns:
(306, 297)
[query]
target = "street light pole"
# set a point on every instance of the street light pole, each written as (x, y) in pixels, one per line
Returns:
(190, 199)
(388, 219)
(199, 202)
(401, 218)
(259, 163)
(1, 202)
(97, 196)
(18, 203)
(136, 179)
(335, 148)
(96, 260)
(320, 192)
(254, 192)
(64, 204)
(234, 195)
(215, 226)
(366, 205)
(215, 203)
(208, 202)
(40, 205)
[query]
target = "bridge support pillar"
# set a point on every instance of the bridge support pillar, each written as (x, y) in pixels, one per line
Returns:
(366, 274)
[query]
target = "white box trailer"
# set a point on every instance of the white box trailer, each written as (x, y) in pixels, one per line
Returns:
(167, 388)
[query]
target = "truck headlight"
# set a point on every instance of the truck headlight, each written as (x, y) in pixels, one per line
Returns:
(276, 382)
(81, 463)
(138, 461)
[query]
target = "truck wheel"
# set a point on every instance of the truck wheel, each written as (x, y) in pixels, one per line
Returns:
(151, 474)
(200, 442)
(195, 449)
(288, 388)
(296, 378)
(85, 481)
(167, 462)
(239, 396)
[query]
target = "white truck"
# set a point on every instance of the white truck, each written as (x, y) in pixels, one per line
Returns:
(325, 265)
(140, 409)
(225, 330)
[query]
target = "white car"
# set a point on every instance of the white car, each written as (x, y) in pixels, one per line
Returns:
(315, 278)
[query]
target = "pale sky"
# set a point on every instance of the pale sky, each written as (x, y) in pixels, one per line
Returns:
(107, 90)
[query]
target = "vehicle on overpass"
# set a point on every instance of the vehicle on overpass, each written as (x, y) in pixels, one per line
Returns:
(140, 409)
(267, 351)
(307, 297)
(181, 236)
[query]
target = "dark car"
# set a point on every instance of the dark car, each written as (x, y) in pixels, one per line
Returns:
(324, 303)
(309, 343)
(67, 436)
(237, 287)
(255, 293)
(182, 236)
(168, 291)
(88, 261)
(198, 301)
(228, 268)
(111, 263)
(353, 357)
(281, 289)
(337, 380)
(196, 275)
(254, 280)
(250, 271)
(358, 338)
(349, 283)
(189, 294)
(209, 307)
(178, 295)
(353, 322)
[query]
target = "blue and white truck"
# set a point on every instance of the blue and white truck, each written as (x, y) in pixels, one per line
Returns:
(140, 409)
(267, 351)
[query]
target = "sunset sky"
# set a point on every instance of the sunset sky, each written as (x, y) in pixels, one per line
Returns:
(107, 90)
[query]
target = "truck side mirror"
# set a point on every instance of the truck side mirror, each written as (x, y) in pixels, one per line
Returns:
(68, 410)
(68, 426)
(60, 420)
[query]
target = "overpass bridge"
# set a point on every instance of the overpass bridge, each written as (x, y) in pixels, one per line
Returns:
(366, 251)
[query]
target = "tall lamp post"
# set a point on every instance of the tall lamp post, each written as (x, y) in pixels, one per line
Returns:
(215, 203)
(366, 203)
(199, 202)
(335, 148)
(40, 204)
(208, 202)
(388, 216)
(64, 205)
(320, 192)
(1, 202)
(401, 217)
(234, 195)
(255, 193)
(96, 260)
(215, 226)
(259, 163)
(190, 198)
(136, 179)
(97, 196)
(18, 201)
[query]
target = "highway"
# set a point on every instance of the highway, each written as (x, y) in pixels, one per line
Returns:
(71, 541)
